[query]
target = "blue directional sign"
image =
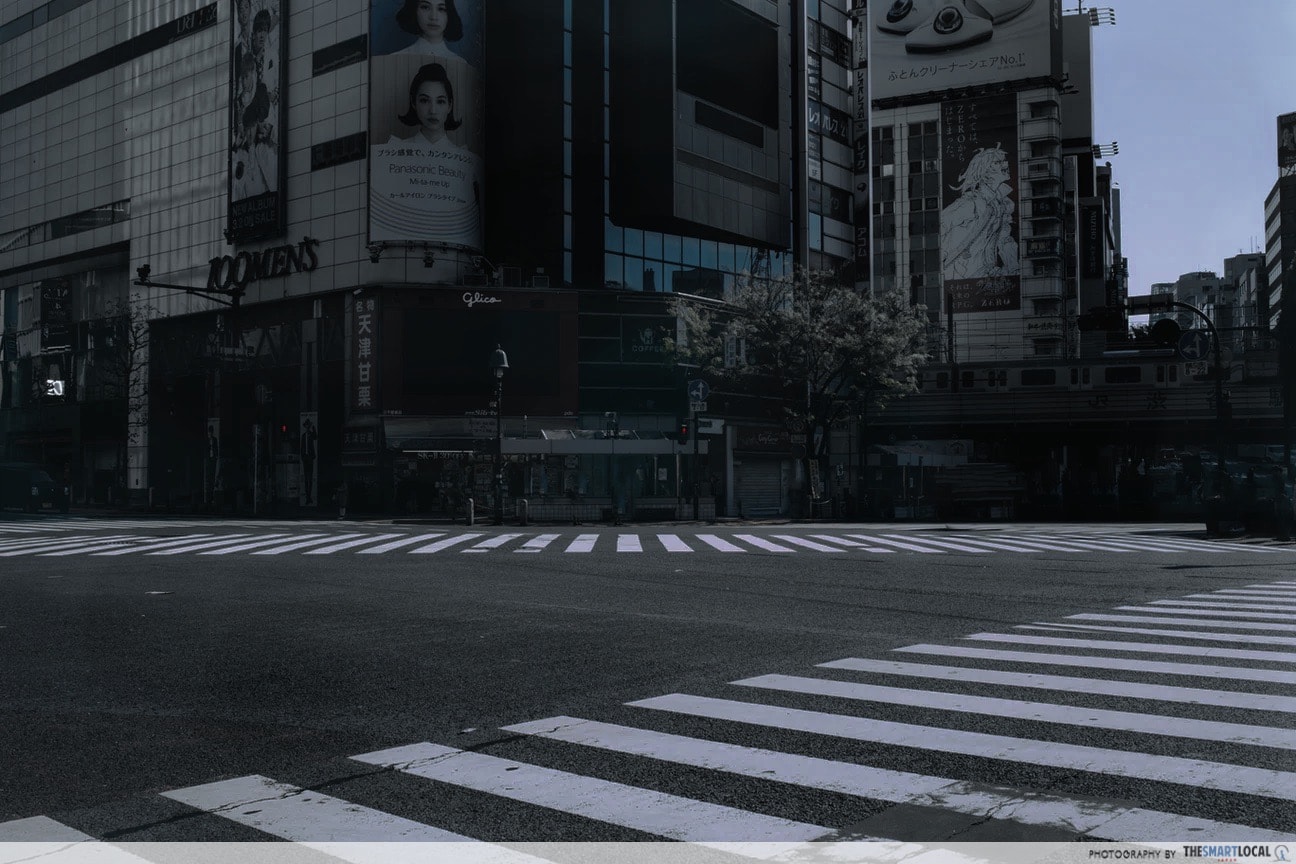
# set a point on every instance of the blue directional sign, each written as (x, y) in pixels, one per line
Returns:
(1194, 345)
(698, 390)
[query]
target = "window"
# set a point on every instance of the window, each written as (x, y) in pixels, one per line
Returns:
(1039, 377)
(1123, 374)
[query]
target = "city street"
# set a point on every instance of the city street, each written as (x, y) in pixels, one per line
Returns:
(196, 679)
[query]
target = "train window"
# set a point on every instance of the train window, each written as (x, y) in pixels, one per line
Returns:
(1075, 375)
(1123, 374)
(942, 380)
(1174, 372)
(1084, 375)
(997, 377)
(1160, 374)
(1039, 377)
(969, 380)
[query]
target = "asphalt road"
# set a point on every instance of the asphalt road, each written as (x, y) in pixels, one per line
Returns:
(590, 682)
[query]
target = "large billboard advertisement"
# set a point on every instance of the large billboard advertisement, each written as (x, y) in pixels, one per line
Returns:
(920, 46)
(861, 134)
(258, 116)
(1286, 140)
(426, 122)
(980, 247)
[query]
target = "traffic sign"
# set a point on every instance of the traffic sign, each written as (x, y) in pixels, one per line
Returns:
(697, 407)
(698, 390)
(1194, 344)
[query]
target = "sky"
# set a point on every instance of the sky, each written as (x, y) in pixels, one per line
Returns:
(1191, 90)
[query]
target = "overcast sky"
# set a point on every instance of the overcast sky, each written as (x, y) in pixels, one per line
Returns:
(1191, 90)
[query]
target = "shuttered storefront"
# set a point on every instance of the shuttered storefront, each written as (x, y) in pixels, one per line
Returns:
(762, 467)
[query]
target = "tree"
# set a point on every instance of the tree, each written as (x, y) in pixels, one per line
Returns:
(820, 349)
(119, 371)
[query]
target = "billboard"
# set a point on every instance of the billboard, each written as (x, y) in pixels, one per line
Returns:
(861, 134)
(919, 46)
(979, 233)
(426, 122)
(258, 116)
(1286, 140)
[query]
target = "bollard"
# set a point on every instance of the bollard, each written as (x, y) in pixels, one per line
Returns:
(468, 512)
(523, 509)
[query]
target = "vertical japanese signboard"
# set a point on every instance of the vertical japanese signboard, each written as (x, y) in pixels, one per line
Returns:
(980, 253)
(426, 122)
(364, 356)
(861, 135)
(258, 118)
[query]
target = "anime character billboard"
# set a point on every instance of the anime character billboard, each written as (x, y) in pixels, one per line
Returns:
(980, 252)
(426, 122)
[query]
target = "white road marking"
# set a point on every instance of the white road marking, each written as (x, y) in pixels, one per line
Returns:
(350, 544)
(1208, 621)
(538, 544)
(161, 544)
(492, 543)
(398, 544)
(1195, 773)
(582, 543)
(255, 544)
(305, 544)
(719, 544)
(1138, 647)
(628, 543)
(673, 543)
(853, 544)
(1072, 684)
(762, 543)
(1089, 661)
(908, 547)
(808, 544)
(658, 813)
(1209, 612)
(209, 544)
(444, 544)
(61, 543)
(1207, 604)
(1211, 636)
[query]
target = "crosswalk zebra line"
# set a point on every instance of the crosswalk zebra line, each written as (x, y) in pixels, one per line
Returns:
(1041, 712)
(54, 545)
(493, 543)
(538, 544)
(243, 547)
(1106, 820)
(1210, 636)
(1073, 684)
(673, 543)
(582, 543)
(160, 544)
(1216, 604)
(209, 544)
(440, 545)
(807, 544)
(940, 544)
(852, 544)
(659, 813)
(1224, 777)
(628, 543)
(306, 816)
(1256, 593)
(908, 547)
(1234, 597)
(30, 540)
(1143, 544)
(102, 544)
(1187, 622)
(44, 830)
(1119, 664)
(1210, 612)
(1013, 544)
(719, 543)
(298, 543)
(350, 544)
(1138, 647)
(762, 543)
(400, 544)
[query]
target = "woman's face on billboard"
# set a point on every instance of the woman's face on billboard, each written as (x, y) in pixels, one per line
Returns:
(433, 105)
(432, 19)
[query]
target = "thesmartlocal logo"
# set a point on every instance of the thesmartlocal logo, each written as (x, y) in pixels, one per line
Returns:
(1233, 851)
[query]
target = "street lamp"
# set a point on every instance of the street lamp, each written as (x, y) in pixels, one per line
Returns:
(498, 363)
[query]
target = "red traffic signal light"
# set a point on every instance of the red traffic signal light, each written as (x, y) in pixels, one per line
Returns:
(684, 431)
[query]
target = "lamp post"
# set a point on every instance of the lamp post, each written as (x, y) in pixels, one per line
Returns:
(498, 363)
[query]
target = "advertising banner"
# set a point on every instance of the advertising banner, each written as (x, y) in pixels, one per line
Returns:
(1092, 241)
(55, 315)
(1287, 140)
(426, 122)
(980, 253)
(364, 356)
(258, 116)
(920, 46)
(307, 451)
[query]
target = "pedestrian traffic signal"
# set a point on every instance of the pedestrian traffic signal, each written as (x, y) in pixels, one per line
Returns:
(684, 431)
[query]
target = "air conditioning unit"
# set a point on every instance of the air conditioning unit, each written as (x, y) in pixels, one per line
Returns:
(540, 280)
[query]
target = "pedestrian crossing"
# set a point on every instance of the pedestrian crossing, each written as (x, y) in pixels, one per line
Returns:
(327, 539)
(1082, 736)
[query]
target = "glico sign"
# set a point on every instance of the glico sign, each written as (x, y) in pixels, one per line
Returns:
(230, 273)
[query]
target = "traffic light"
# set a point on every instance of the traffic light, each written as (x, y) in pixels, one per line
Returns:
(684, 431)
